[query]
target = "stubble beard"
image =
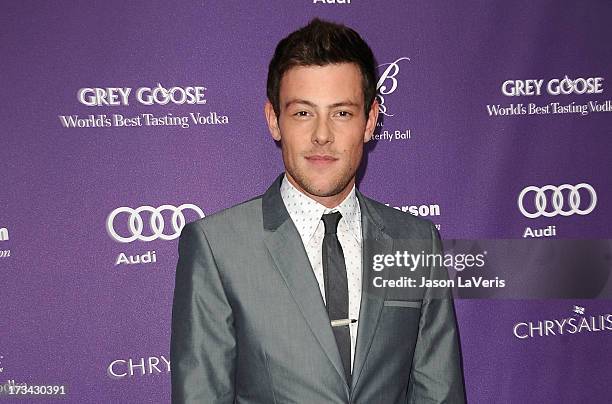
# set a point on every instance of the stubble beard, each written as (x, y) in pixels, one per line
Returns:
(301, 177)
(339, 185)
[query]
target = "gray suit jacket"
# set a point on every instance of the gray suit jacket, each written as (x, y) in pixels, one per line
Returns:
(249, 324)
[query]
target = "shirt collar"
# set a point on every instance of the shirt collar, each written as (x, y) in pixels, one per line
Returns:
(306, 212)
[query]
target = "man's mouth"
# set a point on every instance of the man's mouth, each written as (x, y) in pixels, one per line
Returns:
(321, 159)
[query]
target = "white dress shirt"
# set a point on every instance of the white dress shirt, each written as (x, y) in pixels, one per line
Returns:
(306, 214)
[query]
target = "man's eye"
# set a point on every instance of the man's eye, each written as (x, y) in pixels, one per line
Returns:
(344, 114)
(301, 113)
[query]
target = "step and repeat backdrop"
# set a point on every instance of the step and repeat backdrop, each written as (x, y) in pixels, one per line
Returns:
(122, 121)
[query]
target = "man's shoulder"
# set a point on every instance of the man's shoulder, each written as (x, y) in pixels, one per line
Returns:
(400, 224)
(240, 216)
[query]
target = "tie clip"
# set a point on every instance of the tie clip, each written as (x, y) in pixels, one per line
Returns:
(343, 322)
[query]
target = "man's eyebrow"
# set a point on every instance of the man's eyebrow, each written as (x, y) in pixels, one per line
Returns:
(347, 103)
(299, 101)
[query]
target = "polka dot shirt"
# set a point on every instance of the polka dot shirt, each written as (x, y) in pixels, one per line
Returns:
(306, 215)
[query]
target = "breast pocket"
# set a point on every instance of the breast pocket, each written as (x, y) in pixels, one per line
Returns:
(397, 330)
(400, 317)
(403, 303)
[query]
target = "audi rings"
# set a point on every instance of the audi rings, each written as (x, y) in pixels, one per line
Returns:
(136, 224)
(558, 202)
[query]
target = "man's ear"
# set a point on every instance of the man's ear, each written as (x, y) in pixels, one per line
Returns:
(371, 121)
(272, 121)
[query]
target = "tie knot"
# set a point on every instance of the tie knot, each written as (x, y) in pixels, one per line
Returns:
(330, 220)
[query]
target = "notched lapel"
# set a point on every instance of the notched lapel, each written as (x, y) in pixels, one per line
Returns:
(375, 241)
(289, 255)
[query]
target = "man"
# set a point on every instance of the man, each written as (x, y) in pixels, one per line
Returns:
(274, 299)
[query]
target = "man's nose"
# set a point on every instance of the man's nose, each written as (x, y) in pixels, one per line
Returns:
(323, 133)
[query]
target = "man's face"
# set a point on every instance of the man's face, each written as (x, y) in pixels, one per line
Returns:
(322, 128)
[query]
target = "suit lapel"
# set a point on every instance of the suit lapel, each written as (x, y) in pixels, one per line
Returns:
(375, 241)
(289, 255)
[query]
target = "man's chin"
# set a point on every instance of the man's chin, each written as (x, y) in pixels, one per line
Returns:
(325, 189)
(319, 184)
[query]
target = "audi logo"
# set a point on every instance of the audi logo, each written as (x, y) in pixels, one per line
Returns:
(156, 222)
(558, 200)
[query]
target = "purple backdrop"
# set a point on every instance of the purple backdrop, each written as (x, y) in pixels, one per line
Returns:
(72, 315)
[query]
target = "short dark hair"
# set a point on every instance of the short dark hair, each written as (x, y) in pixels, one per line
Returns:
(321, 43)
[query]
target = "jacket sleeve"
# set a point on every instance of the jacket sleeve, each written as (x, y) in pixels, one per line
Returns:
(436, 375)
(202, 343)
